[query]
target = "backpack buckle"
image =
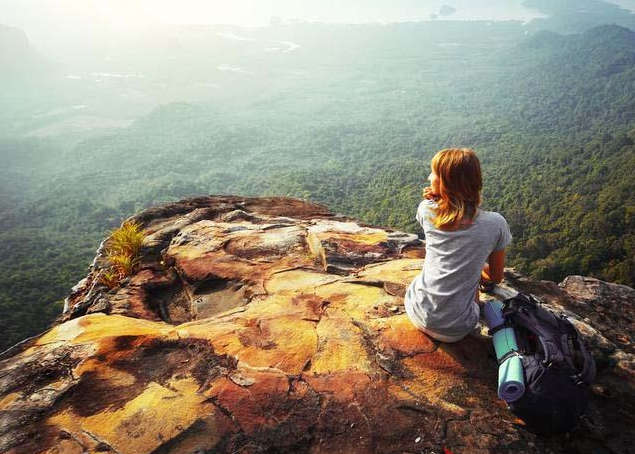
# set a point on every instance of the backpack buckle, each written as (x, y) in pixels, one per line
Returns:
(508, 355)
(577, 379)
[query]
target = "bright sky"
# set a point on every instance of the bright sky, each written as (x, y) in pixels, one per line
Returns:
(250, 12)
(57, 24)
(258, 12)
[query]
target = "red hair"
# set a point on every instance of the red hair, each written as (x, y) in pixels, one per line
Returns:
(460, 185)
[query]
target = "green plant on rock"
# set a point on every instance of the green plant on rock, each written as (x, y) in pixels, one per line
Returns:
(123, 264)
(109, 278)
(123, 252)
(127, 240)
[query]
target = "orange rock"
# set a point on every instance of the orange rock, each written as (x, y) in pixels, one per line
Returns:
(256, 325)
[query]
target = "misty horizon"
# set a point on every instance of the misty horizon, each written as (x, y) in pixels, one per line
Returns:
(71, 23)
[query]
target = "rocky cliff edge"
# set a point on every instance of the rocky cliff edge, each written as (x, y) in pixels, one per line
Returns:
(273, 325)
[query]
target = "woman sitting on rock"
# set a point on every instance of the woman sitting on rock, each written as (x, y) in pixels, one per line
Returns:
(465, 246)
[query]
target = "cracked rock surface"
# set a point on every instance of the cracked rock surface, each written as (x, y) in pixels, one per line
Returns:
(273, 325)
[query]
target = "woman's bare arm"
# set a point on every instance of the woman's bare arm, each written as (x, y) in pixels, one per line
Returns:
(493, 269)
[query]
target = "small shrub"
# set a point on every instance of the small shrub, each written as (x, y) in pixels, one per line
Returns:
(123, 251)
(110, 278)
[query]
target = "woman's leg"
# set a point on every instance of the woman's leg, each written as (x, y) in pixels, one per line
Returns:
(481, 305)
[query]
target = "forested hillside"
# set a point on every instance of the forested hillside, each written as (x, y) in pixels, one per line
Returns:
(351, 121)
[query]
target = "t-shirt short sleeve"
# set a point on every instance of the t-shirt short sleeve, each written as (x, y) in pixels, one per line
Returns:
(424, 211)
(504, 235)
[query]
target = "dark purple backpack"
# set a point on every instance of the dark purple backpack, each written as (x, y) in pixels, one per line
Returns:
(558, 367)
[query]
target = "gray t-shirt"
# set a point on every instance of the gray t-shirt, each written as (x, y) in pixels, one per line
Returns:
(441, 297)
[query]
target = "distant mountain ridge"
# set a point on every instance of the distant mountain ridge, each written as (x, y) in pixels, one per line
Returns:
(598, 43)
(569, 73)
(18, 60)
(576, 16)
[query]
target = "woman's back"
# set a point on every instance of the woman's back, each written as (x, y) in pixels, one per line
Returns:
(441, 297)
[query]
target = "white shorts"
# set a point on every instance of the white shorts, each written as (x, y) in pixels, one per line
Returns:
(440, 337)
(432, 334)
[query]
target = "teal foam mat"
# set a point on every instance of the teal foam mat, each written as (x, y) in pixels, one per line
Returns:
(511, 378)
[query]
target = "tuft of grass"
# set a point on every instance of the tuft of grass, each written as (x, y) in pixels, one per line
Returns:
(109, 277)
(123, 251)
(127, 240)
(123, 264)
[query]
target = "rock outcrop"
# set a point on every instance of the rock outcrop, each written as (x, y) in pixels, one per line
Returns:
(273, 325)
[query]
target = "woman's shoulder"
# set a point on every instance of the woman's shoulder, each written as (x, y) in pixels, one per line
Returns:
(496, 224)
(491, 216)
(428, 204)
(425, 209)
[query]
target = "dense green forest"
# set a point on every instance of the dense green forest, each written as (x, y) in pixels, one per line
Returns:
(350, 120)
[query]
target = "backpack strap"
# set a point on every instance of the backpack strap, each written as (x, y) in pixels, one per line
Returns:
(506, 324)
(507, 355)
(586, 374)
(524, 310)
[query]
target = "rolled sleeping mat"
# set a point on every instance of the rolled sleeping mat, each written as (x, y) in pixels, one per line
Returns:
(511, 380)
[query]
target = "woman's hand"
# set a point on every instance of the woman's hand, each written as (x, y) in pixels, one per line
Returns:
(429, 194)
